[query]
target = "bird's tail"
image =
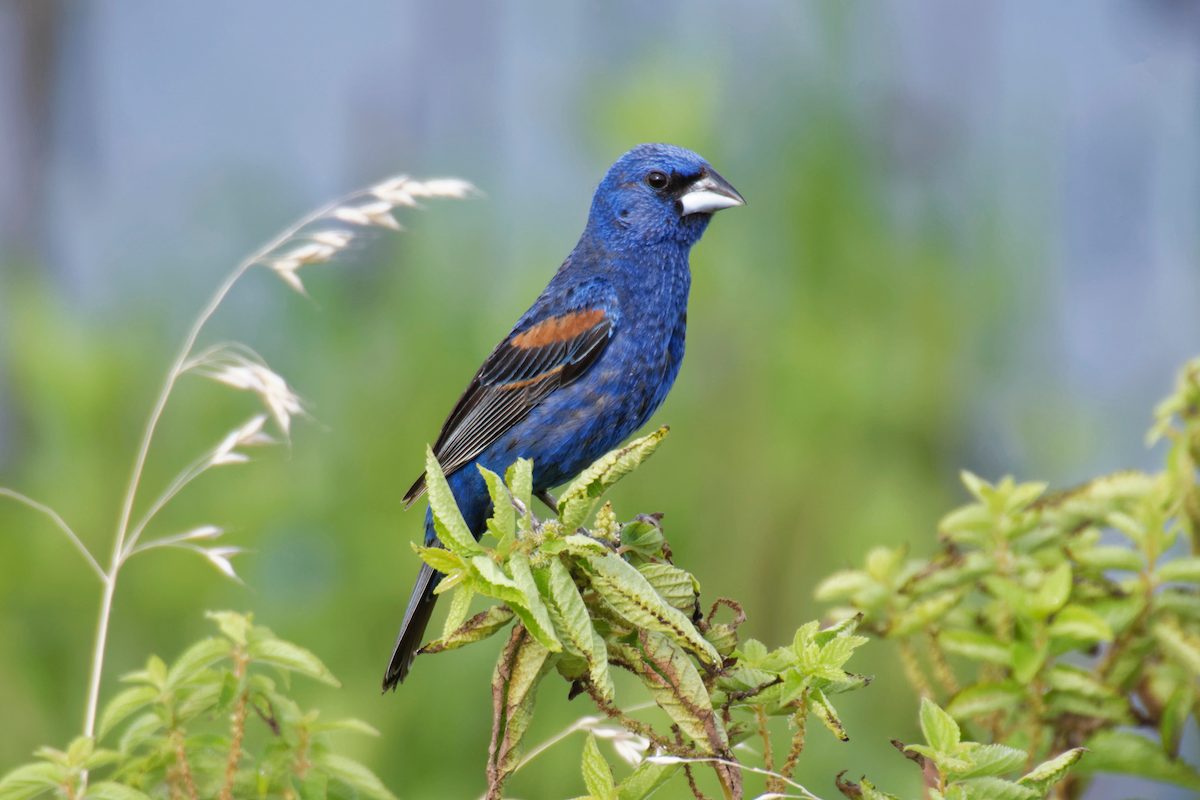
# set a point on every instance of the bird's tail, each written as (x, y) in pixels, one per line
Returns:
(412, 630)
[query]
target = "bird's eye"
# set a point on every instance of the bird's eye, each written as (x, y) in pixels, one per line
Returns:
(657, 180)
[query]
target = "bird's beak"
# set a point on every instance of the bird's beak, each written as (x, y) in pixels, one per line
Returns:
(708, 193)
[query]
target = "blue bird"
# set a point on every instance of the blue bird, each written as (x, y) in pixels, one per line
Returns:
(590, 361)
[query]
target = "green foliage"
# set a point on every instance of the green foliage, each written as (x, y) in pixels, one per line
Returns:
(1051, 622)
(958, 770)
(216, 722)
(587, 601)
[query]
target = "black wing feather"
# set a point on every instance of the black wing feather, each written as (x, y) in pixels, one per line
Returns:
(512, 382)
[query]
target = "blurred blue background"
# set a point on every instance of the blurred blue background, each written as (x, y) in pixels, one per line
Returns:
(971, 241)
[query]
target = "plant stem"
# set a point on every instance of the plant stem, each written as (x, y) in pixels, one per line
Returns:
(121, 550)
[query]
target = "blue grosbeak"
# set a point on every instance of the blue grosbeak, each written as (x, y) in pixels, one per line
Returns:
(593, 357)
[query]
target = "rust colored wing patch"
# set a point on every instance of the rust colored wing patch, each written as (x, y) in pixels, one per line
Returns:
(558, 329)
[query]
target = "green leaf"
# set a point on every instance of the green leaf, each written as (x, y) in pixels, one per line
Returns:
(533, 612)
(490, 580)
(439, 558)
(1105, 557)
(940, 730)
(1054, 591)
(576, 629)
(454, 533)
(606, 471)
(597, 775)
(992, 759)
(234, 625)
(1048, 773)
(819, 704)
(634, 599)
(123, 704)
(678, 689)
(519, 478)
(353, 774)
(921, 614)
(1080, 623)
(976, 646)
(108, 790)
(520, 669)
(1028, 660)
(460, 607)
(1127, 752)
(678, 587)
(290, 657)
(644, 781)
(1183, 570)
(1066, 678)
(995, 789)
(31, 780)
(1182, 648)
(985, 698)
(504, 516)
(477, 628)
(844, 584)
(197, 658)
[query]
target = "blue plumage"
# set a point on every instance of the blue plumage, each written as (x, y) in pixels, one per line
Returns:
(593, 357)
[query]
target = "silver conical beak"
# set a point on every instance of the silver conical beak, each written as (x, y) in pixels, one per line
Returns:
(710, 192)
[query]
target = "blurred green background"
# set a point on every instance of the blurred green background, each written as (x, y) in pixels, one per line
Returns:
(971, 241)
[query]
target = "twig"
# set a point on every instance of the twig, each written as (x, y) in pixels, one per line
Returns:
(760, 715)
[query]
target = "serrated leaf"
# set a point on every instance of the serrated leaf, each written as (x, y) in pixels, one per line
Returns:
(460, 607)
(197, 658)
(490, 580)
(985, 698)
(453, 531)
(477, 628)
(439, 558)
(632, 596)
(125, 703)
(1127, 752)
(519, 478)
(678, 689)
(533, 611)
(353, 774)
(819, 704)
(576, 629)
(504, 516)
(678, 587)
(940, 730)
(995, 789)
(520, 669)
(1048, 773)
(991, 760)
(290, 657)
(597, 775)
(607, 470)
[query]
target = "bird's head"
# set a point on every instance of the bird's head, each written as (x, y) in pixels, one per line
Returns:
(659, 193)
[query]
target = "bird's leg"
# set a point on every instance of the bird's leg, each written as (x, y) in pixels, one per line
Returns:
(547, 498)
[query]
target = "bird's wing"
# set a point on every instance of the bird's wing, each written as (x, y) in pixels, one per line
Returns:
(552, 346)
